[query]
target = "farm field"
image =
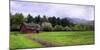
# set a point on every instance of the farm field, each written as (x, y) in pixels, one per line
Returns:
(18, 40)
(41, 25)
(67, 38)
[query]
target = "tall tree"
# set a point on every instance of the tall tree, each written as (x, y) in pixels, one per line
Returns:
(77, 27)
(52, 20)
(45, 19)
(38, 19)
(16, 20)
(58, 20)
(11, 19)
(29, 19)
(65, 22)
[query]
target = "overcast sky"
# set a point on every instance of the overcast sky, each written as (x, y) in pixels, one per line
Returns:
(48, 9)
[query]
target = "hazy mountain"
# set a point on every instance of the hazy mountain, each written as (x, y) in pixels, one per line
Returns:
(81, 21)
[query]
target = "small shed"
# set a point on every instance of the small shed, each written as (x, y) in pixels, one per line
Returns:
(30, 28)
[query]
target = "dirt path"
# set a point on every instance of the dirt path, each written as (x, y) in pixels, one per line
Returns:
(44, 43)
(41, 41)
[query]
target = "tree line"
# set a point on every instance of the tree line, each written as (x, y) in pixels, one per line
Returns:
(47, 23)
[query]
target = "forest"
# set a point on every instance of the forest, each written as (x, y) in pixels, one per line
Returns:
(47, 23)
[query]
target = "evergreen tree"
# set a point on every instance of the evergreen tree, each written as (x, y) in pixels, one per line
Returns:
(29, 19)
(38, 19)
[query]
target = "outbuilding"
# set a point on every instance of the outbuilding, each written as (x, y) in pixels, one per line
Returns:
(30, 28)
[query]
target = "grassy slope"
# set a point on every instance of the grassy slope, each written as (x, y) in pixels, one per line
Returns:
(67, 38)
(19, 41)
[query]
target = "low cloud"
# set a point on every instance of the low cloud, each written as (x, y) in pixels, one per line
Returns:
(59, 10)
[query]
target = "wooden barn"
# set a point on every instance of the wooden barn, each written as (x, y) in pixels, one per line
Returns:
(30, 28)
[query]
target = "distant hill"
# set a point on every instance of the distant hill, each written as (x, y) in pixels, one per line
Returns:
(81, 21)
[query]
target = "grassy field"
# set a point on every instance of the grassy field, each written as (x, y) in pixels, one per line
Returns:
(18, 40)
(67, 38)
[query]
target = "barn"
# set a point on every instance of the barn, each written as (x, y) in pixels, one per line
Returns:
(30, 28)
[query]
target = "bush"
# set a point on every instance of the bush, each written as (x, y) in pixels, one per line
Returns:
(46, 26)
(15, 27)
(77, 27)
(58, 28)
(67, 28)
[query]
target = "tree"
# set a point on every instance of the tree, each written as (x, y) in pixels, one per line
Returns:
(65, 22)
(38, 19)
(67, 28)
(11, 19)
(29, 19)
(89, 27)
(45, 19)
(77, 27)
(52, 20)
(16, 20)
(83, 27)
(46, 26)
(58, 20)
(58, 28)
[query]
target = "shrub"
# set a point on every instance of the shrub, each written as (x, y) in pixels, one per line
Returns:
(15, 27)
(58, 28)
(46, 26)
(67, 28)
(77, 27)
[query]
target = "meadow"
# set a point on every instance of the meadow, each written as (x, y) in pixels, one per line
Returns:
(67, 38)
(18, 40)
(50, 25)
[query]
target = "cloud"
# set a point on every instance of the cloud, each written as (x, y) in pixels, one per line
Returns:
(59, 10)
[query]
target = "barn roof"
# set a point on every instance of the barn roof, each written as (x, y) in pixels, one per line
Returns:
(32, 24)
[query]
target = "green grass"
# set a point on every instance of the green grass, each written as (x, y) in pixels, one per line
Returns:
(67, 38)
(19, 41)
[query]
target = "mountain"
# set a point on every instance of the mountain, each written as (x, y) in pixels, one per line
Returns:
(81, 21)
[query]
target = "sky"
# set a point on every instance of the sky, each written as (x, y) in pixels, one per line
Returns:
(48, 9)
